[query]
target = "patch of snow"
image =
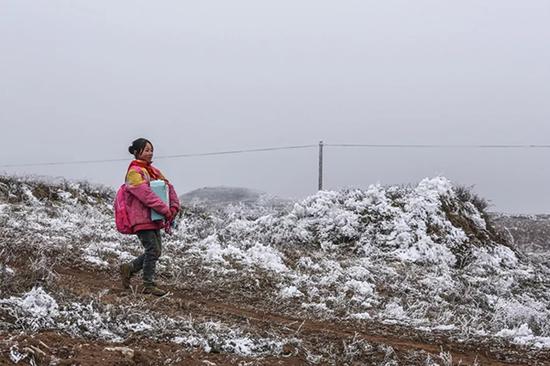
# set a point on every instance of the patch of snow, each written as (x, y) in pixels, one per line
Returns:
(7, 270)
(394, 311)
(15, 355)
(290, 292)
(361, 288)
(36, 308)
(265, 256)
(361, 316)
(138, 327)
(240, 346)
(96, 261)
(31, 199)
(523, 335)
(38, 303)
(426, 251)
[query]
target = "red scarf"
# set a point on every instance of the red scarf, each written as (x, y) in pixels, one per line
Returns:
(154, 173)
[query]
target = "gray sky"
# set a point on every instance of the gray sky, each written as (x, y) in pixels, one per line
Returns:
(81, 79)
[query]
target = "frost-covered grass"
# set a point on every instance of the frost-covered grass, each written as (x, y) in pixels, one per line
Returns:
(38, 310)
(423, 256)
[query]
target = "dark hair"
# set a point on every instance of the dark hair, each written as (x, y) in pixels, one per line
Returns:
(138, 146)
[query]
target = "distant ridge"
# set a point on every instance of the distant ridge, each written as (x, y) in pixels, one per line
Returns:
(215, 197)
(223, 194)
(530, 232)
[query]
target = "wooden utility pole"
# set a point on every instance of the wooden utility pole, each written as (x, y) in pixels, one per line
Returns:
(320, 165)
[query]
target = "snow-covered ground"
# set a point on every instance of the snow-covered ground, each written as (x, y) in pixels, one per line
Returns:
(418, 256)
(390, 254)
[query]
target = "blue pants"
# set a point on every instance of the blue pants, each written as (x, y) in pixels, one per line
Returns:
(150, 239)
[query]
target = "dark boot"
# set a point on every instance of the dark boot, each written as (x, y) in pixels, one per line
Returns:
(126, 272)
(153, 290)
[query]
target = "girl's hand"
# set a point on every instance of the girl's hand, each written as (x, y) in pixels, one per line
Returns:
(169, 217)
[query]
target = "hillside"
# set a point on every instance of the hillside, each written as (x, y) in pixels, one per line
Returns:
(531, 232)
(383, 276)
(219, 198)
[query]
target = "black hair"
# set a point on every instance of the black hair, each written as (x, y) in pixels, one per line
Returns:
(138, 146)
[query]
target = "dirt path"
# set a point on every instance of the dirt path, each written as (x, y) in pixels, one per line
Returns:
(188, 302)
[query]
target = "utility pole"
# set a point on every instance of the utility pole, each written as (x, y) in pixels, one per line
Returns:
(320, 165)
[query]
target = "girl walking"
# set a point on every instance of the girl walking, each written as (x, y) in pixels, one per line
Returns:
(140, 200)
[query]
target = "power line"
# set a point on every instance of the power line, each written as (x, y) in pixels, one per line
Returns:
(62, 163)
(242, 151)
(236, 151)
(422, 146)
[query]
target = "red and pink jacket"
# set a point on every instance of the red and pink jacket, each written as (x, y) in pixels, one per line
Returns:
(141, 199)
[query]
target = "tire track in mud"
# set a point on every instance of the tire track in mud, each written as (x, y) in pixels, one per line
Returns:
(87, 283)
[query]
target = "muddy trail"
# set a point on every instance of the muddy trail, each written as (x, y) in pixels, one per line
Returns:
(409, 346)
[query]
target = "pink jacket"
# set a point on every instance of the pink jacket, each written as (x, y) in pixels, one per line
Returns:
(141, 199)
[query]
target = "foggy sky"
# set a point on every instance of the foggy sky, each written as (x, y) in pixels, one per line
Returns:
(79, 80)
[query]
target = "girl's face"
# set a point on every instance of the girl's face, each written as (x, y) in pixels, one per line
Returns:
(147, 153)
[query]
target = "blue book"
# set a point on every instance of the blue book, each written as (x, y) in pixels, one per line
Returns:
(160, 189)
